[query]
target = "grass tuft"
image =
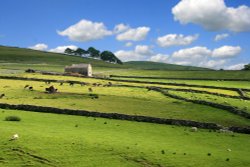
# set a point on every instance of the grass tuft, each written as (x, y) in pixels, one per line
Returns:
(12, 118)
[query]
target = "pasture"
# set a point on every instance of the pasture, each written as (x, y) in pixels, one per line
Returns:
(63, 140)
(115, 99)
(47, 139)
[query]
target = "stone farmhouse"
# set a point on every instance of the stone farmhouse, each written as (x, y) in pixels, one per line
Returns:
(83, 69)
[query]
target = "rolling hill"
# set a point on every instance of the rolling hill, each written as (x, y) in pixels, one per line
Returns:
(18, 57)
(147, 65)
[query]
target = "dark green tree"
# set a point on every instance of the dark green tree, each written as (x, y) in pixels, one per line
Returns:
(109, 56)
(246, 67)
(93, 52)
(68, 51)
(80, 51)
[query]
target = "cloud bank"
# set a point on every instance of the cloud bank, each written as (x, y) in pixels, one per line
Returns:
(39, 46)
(213, 15)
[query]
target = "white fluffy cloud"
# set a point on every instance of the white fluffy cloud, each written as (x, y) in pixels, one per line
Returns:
(226, 51)
(176, 39)
(61, 49)
(192, 53)
(198, 52)
(120, 28)
(39, 46)
(219, 37)
(196, 56)
(213, 15)
(204, 57)
(213, 63)
(85, 30)
(129, 55)
(162, 58)
(183, 63)
(143, 50)
(236, 67)
(140, 53)
(133, 34)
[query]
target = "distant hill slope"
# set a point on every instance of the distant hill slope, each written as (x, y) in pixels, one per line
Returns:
(147, 65)
(28, 56)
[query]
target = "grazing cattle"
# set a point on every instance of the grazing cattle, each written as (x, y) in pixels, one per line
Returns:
(26, 86)
(51, 89)
(31, 88)
(2, 95)
(90, 90)
(94, 96)
(30, 71)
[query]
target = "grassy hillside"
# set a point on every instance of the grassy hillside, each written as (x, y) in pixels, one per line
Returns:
(20, 58)
(160, 66)
(28, 56)
(65, 140)
(124, 100)
(212, 74)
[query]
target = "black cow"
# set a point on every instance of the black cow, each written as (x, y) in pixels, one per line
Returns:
(2, 95)
(90, 90)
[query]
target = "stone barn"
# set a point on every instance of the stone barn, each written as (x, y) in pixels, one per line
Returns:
(84, 69)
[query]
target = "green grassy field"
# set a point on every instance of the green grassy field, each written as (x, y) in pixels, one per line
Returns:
(133, 101)
(230, 84)
(218, 75)
(239, 103)
(60, 140)
(91, 80)
(65, 140)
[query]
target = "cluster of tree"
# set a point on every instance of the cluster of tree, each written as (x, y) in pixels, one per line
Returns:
(94, 53)
(246, 67)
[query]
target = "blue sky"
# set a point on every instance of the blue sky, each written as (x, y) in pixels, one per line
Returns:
(170, 31)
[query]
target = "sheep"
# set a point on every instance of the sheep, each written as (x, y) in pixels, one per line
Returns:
(90, 90)
(31, 88)
(26, 86)
(2, 95)
(194, 129)
(71, 84)
(61, 83)
(14, 137)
